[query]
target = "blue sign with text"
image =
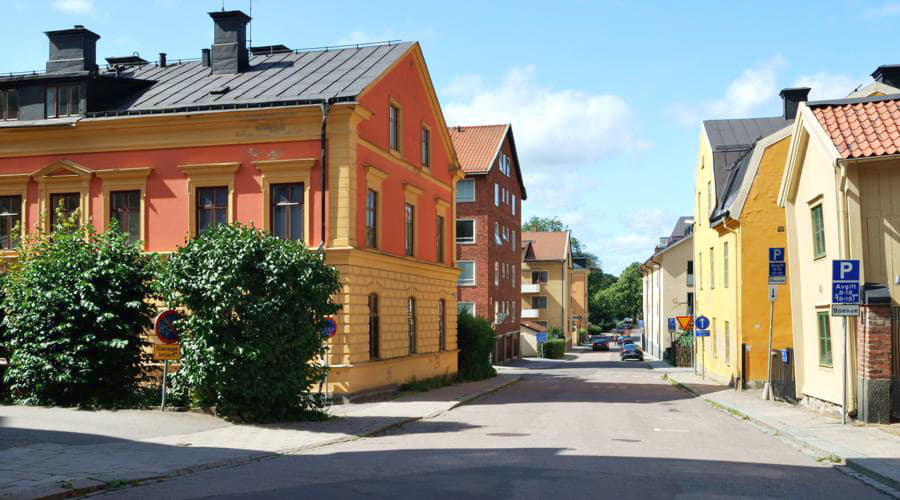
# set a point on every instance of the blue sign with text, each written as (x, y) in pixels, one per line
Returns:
(701, 323)
(702, 333)
(777, 267)
(671, 324)
(844, 293)
(541, 337)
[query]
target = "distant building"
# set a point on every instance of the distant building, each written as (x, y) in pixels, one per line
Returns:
(488, 230)
(578, 320)
(547, 280)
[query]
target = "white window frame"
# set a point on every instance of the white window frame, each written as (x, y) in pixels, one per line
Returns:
(467, 181)
(474, 233)
(496, 194)
(474, 281)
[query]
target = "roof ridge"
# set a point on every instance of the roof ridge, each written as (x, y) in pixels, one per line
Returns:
(480, 126)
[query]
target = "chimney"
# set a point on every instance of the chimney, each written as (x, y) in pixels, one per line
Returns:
(162, 60)
(229, 50)
(888, 74)
(72, 50)
(204, 58)
(792, 98)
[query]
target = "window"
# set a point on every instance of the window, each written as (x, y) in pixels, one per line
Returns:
(539, 302)
(513, 275)
(727, 345)
(690, 304)
(372, 218)
(465, 308)
(512, 240)
(725, 264)
(496, 274)
(439, 240)
(823, 321)
(497, 239)
(538, 277)
(465, 231)
(505, 234)
(504, 164)
(496, 195)
(514, 204)
(287, 211)
(714, 339)
(411, 323)
(712, 267)
(67, 203)
(442, 325)
(690, 273)
(465, 190)
(9, 105)
(709, 197)
(467, 272)
(212, 207)
(10, 218)
(818, 229)
(374, 332)
(410, 224)
(394, 124)
(62, 101)
(125, 208)
(700, 270)
(426, 147)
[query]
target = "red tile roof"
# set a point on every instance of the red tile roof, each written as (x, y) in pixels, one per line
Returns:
(534, 326)
(862, 129)
(476, 146)
(548, 245)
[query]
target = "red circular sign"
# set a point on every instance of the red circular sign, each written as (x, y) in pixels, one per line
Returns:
(165, 327)
(330, 328)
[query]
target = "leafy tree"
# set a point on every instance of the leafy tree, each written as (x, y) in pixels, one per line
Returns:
(76, 305)
(620, 300)
(475, 339)
(253, 335)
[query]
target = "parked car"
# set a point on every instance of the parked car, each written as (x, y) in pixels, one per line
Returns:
(600, 343)
(625, 339)
(631, 351)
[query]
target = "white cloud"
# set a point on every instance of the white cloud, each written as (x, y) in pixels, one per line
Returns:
(887, 10)
(644, 229)
(75, 6)
(745, 94)
(553, 128)
(828, 85)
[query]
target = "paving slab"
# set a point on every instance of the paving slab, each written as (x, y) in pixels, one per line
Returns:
(90, 450)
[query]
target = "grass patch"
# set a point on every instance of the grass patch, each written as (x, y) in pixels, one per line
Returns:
(831, 457)
(428, 384)
(732, 411)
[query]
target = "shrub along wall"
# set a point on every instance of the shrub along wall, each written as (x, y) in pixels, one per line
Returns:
(475, 338)
(555, 348)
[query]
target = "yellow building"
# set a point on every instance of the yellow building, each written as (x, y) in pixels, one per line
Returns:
(547, 279)
(578, 317)
(737, 221)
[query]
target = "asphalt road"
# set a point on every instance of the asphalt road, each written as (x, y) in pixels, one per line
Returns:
(590, 427)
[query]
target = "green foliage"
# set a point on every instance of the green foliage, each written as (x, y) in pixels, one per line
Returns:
(685, 339)
(622, 299)
(76, 304)
(252, 340)
(428, 384)
(555, 348)
(555, 333)
(475, 338)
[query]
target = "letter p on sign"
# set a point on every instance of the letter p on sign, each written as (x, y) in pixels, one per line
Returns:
(776, 255)
(845, 270)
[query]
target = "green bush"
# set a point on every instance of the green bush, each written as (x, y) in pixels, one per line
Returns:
(555, 333)
(475, 339)
(252, 340)
(75, 306)
(555, 348)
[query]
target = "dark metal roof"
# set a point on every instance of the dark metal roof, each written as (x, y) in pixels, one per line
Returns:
(853, 100)
(683, 227)
(732, 143)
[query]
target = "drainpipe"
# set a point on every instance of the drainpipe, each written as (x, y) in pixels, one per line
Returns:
(323, 160)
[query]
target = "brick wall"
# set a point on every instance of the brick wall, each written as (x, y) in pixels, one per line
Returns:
(873, 342)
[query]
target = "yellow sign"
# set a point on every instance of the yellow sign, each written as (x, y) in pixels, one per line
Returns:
(166, 352)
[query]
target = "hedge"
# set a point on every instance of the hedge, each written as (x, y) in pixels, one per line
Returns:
(555, 348)
(475, 339)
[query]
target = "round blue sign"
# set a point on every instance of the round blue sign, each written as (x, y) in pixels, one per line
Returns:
(701, 323)
(330, 328)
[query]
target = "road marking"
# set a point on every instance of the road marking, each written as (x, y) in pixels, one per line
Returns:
(657, 429)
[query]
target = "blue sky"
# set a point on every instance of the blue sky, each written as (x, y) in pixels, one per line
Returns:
(605, 98)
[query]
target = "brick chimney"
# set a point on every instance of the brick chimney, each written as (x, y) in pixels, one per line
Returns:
(792, 98)
(229, 50)
(72, 50)
(889, 74)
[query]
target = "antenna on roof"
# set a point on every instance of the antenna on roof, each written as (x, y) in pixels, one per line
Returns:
(250, 27)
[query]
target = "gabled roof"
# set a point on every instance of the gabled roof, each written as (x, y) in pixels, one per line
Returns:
(732, 143)
(683, 227)
(861, 127)
(477, 147)
(548, 245)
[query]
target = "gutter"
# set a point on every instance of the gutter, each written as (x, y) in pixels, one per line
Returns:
(323, 159)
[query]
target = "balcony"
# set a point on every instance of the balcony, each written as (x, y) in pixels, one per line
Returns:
(529, 313)
(531, 288)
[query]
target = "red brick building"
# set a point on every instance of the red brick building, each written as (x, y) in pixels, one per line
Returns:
(488, 230)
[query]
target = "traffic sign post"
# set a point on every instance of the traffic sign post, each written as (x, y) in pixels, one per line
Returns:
(702, 330)
(844, 303)
(671, 325)
(170, 349)
(777, 276)
(329, 329)
(541, 337)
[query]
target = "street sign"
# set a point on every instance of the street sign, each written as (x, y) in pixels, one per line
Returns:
(701, 323)
(702, 333)
(845, 288)
(166, 352)
(164, 326)
(330, 328)
(671, 324)
(773, 293)
(541, 337)
(685, 322)
(777, 267)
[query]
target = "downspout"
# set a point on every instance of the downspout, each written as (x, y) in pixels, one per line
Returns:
(323, 161)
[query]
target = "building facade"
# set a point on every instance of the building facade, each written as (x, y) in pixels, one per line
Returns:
(668, 286)
(547, 280)
(488, 230)
(328, 147)
(578, 321)
(839, 191)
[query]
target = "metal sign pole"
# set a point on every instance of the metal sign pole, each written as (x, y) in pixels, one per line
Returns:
(767, 391)
(703, 354)
(162, 406)
(844, 375)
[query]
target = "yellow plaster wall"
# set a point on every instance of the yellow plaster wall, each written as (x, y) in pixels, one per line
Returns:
(554, 290)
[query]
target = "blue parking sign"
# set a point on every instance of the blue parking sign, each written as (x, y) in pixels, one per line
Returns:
(776, 255)
(845, 288)
(845, 270)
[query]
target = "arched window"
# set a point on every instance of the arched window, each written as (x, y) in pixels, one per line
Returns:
(411, 320)
(373, 326)
(442, 325)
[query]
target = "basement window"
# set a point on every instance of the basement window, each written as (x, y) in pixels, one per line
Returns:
(63, 101)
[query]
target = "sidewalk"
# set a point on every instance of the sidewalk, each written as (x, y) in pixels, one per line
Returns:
(93, 450)
(866, 449)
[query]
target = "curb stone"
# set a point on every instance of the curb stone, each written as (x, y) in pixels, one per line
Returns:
(78, 487)
(885, 484)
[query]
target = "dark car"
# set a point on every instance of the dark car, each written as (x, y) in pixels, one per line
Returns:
(631, 351)
(600, 343)
(625, 339)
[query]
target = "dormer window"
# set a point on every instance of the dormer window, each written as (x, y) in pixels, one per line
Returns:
(9, 105)
(63, 101)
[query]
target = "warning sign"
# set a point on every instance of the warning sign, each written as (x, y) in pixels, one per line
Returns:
(685, 322)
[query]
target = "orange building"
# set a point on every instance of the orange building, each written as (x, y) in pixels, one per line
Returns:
(344, 148)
